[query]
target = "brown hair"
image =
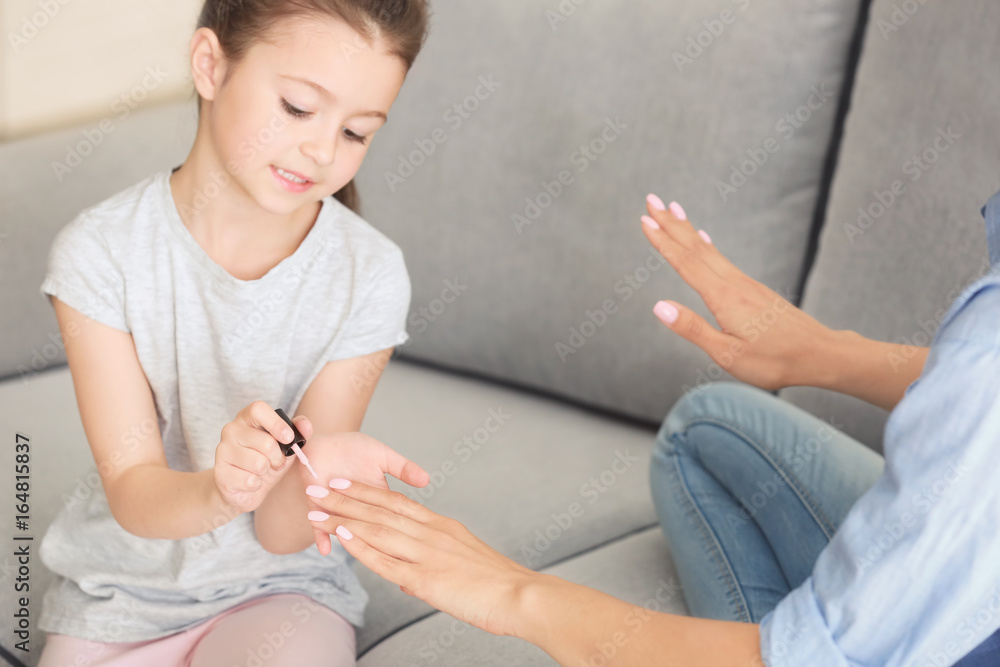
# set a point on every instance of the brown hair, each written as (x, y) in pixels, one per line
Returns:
(239, 24)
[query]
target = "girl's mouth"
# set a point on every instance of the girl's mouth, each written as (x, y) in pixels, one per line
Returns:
(290, 180)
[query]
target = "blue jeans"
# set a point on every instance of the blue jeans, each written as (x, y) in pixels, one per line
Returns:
(749, 489)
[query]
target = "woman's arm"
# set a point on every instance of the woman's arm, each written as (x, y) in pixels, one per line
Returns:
(873, 371)
(437, 560)
(762, 338)
(145, 496)
(578, 625)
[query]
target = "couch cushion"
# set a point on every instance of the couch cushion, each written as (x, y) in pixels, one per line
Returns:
(923, 117)
(621, 100)
(503, 462)
(637, 569)
(45, 181)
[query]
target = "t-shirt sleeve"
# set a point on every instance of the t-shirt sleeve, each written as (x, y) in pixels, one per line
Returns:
(378, 318)
(84, 275)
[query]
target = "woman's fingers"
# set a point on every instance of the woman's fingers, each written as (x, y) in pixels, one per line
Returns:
(368, 503)
(673, 229)
(379, 535)
(692, 327)
(386, 566)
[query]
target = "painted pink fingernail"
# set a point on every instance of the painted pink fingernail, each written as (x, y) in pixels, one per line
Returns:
(318, 516)
(678, 211)
(666, 312)
(343, 532)
(317, 491)
(337, 483)
(703, 234)
(649, 222)
(656, 202)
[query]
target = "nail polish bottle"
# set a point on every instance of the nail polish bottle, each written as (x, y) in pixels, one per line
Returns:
(286, 448)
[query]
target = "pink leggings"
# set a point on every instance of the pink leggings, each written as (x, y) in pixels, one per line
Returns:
(273, 631)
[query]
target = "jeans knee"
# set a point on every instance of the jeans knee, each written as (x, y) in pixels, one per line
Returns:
(710, 399)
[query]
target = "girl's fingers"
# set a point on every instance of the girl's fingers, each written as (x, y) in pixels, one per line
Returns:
(404, 469)
(322, 537)
(267, 429)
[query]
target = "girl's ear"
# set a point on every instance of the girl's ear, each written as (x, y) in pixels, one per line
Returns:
(208, 63)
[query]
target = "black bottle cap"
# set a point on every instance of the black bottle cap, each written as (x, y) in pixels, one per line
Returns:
(286, 448)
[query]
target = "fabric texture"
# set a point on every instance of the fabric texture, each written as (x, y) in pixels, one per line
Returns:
(284, 628)
(520, 178)
(911, 574)
(209, 345)
(902, 235)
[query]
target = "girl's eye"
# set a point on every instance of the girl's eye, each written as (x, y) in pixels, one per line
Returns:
(298, 113)
(354, 137)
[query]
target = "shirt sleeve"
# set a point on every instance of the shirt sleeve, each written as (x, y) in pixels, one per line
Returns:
(83, 274)
(378, 318)
(911, 576)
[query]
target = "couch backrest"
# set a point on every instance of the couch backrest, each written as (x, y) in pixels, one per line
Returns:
(513, 172)
(726, 106)
(44, 183)
(925, 117)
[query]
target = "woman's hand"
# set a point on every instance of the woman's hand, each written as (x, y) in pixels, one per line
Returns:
(359, 457)
(248, 460)
(764, 340)
(430, 557)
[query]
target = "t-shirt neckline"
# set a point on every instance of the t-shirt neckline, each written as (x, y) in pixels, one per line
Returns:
(212, 267)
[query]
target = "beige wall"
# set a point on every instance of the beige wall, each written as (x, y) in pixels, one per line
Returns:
(66, 62)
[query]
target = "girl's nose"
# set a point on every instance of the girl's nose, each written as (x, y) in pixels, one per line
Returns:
(321, 151)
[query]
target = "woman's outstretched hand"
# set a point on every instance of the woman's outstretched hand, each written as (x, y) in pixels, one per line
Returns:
(764, 340)
(431, 557)
(355, 456)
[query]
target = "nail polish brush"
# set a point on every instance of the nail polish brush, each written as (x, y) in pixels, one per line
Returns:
(295, 446)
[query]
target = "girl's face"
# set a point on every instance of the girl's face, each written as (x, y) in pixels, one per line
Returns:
(307, 101)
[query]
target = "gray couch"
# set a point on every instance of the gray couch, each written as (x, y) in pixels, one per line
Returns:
(512, 173)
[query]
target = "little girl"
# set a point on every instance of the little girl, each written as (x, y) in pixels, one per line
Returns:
(197, 301)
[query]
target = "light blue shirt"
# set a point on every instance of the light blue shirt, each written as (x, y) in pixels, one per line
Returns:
(912, 576)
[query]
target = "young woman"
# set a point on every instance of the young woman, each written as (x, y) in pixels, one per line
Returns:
(795, 544)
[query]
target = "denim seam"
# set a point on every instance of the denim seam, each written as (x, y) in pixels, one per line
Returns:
(713, 541)
(805, 497)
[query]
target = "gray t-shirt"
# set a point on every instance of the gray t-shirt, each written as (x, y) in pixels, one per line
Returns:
(209, 344)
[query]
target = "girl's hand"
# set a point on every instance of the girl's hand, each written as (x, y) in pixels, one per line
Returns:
(764, 340)
(248, 460)
(355, 456)
(430, 557)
